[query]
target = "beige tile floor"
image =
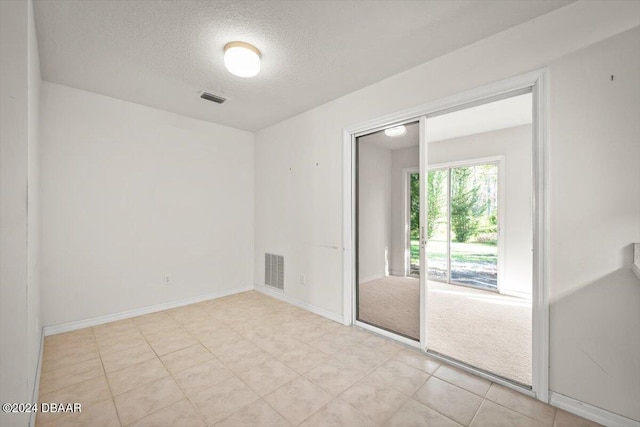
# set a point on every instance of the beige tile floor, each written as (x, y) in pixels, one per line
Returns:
(251, 360)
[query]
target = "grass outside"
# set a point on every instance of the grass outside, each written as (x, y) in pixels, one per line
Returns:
(480, 253)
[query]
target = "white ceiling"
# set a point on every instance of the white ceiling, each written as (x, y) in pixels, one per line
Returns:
(503, 114)
(164, 53)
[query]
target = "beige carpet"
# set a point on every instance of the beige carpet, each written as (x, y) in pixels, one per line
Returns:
(481, 328)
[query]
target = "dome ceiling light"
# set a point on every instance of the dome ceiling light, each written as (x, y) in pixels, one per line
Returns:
(396, 131)
(242, 59)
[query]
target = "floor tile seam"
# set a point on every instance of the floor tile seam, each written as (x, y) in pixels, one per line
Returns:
(189, 367)
(52, 421)
(208, 388)
(173, 340)
(462, 388)
(406, 394)
(113, 401)
(277, 388)
(364, 374)
(418, 369)
(144, 384)
(184, 396)
(334, 398)
(283, 415)
(70, 385)
(523, 414)
(446, 416)
(367, 415)
(72, 364)
(242, 407)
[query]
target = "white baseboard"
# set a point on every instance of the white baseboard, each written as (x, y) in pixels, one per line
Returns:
(370, 278)
(36, 382)
(80, 324)
(293, 301)
(515, 293)
(590, 412)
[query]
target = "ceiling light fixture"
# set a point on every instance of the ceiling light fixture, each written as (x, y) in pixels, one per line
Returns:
(396, 131)
(242, 59)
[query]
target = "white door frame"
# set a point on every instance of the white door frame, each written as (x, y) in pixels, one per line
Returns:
(537, 81)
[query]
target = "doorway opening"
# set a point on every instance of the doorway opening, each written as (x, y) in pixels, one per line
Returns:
(471, 232)
(463, 224)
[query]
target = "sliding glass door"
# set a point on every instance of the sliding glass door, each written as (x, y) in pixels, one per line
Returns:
(444, 235)
(387, 295)
(479, 237)
(462, 225)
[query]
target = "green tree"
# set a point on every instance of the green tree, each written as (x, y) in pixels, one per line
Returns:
(414, 208)
(435, 199)
(465, 212)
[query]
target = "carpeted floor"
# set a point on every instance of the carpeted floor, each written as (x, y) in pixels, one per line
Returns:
(481, 328)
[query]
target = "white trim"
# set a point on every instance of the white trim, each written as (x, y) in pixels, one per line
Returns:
(72, 326)
(36, 382)
(591, 412)
(516, 294)
(430, 108)
(537, 80)
(424, 208)
(388, 334)
(540, 283)
(348, 231)
(278, 294)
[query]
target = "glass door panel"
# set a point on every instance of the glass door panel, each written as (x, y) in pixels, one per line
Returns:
(438, 225)
(387, 292)
(474, 226)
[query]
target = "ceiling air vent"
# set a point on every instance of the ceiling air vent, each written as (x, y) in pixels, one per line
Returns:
(213, 98)
(274, 271)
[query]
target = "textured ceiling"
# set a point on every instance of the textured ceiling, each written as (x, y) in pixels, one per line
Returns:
(164, 53)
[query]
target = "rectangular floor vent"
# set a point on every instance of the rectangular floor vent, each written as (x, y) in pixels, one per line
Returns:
(274, 270)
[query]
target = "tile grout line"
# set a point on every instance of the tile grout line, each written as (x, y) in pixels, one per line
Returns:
(106, 378)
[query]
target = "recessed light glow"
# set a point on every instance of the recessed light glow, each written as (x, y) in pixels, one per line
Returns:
(242, 59)
(396, 131)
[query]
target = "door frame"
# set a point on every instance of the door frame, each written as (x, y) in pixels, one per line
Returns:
(536, 81)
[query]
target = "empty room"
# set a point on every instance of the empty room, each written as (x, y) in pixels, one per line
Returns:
(320, 213)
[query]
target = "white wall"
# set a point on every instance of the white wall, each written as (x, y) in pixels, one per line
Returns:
(132, 193)
(595, 206)
(374, 210)
(298, 183)
(19, 241)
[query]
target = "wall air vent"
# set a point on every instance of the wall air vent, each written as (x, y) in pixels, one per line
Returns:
(274, 271)
(213, 98)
